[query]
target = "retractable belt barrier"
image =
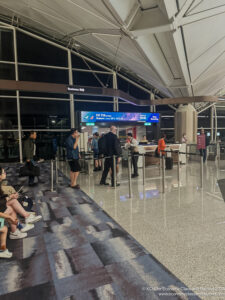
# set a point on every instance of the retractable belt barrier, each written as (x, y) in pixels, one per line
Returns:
(89, 156)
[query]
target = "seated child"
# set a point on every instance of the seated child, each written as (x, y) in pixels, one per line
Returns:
(4, 252)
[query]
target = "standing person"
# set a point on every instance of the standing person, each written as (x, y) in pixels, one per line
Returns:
(132, 145)
(202, 146)
(30, 153)
(184, 139)
(144, 140)
(111, 147)
(162, 144)
(95, 148)
(73, 157)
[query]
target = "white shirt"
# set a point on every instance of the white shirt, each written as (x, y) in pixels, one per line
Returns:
(133, 143)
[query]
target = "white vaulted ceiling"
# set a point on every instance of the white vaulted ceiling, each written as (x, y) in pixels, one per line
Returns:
(176, 46)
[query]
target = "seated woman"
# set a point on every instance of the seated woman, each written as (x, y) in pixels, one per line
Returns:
(13, 207)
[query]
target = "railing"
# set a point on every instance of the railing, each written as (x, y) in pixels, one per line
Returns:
(89, 156)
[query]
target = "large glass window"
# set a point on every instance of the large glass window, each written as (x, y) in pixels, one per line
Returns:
(6, 45)
(43, 74)
(44, 114)
(80, 63)
(9, 146)
(7, 93)
(34, 51)
(7, 71)
(96, 106)
(8, 113)
(49, 144)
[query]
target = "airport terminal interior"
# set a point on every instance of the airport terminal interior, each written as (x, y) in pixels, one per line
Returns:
(112, 149)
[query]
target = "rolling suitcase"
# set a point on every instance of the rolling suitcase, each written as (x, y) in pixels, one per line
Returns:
(169, 163)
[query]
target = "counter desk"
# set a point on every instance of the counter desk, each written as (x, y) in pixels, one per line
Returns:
(150, 159)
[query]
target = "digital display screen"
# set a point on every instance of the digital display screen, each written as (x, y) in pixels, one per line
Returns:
(90, 116)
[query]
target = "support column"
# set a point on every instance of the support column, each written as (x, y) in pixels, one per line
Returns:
(212, 123)
(72, 113)
(186, 122)
(215, 137)
(17, 96)
(115, 99)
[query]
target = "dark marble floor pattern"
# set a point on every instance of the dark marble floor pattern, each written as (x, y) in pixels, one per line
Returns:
(78, 252)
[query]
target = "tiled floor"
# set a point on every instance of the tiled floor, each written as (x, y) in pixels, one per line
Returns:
(184, 228)
(78, 252)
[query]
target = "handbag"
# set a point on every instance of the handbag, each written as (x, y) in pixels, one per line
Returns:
(26, 202)
(29, 169)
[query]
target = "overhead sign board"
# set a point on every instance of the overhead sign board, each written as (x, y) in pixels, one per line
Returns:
(90, 116)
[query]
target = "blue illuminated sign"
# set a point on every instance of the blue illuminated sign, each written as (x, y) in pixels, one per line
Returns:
(96, 116)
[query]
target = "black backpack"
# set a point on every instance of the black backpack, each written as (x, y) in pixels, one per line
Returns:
(102, 145)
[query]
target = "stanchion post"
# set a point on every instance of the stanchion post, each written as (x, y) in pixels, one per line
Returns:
(52, 176)
(129, 176)
(201, 171)
(103, 164)
(89, 167)
(102, 161)
(56, 171)
(160, 163)
(114, 171)
(178, 167)
(163, 173)
(143, 168)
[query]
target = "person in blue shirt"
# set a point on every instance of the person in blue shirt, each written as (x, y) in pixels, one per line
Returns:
(73, 157)
(94, 146)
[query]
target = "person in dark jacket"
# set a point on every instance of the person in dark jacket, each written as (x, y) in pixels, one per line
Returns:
(112, 147)
(73, 157)
(29, 153)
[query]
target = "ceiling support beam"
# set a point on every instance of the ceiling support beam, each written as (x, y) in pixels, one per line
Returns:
(202, 15)
(184, 100)
(159, 24)
(184, 9)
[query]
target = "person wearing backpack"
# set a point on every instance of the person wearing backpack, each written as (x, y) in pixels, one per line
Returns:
(111, 146)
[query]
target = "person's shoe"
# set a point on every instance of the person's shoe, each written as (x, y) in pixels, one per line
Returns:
(134, 175)
(95, 170)
(17, 235)
(27, 227)
(32, 219)
(31, 184)
(104, 183)
(118, 184)
(77, 187)
(99, 168)
(5, 254)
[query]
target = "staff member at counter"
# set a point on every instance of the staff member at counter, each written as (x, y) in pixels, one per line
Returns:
(144, 140)
(162, 145)
(132, 145)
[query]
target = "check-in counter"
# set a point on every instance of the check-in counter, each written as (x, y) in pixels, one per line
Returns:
(150, 158)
